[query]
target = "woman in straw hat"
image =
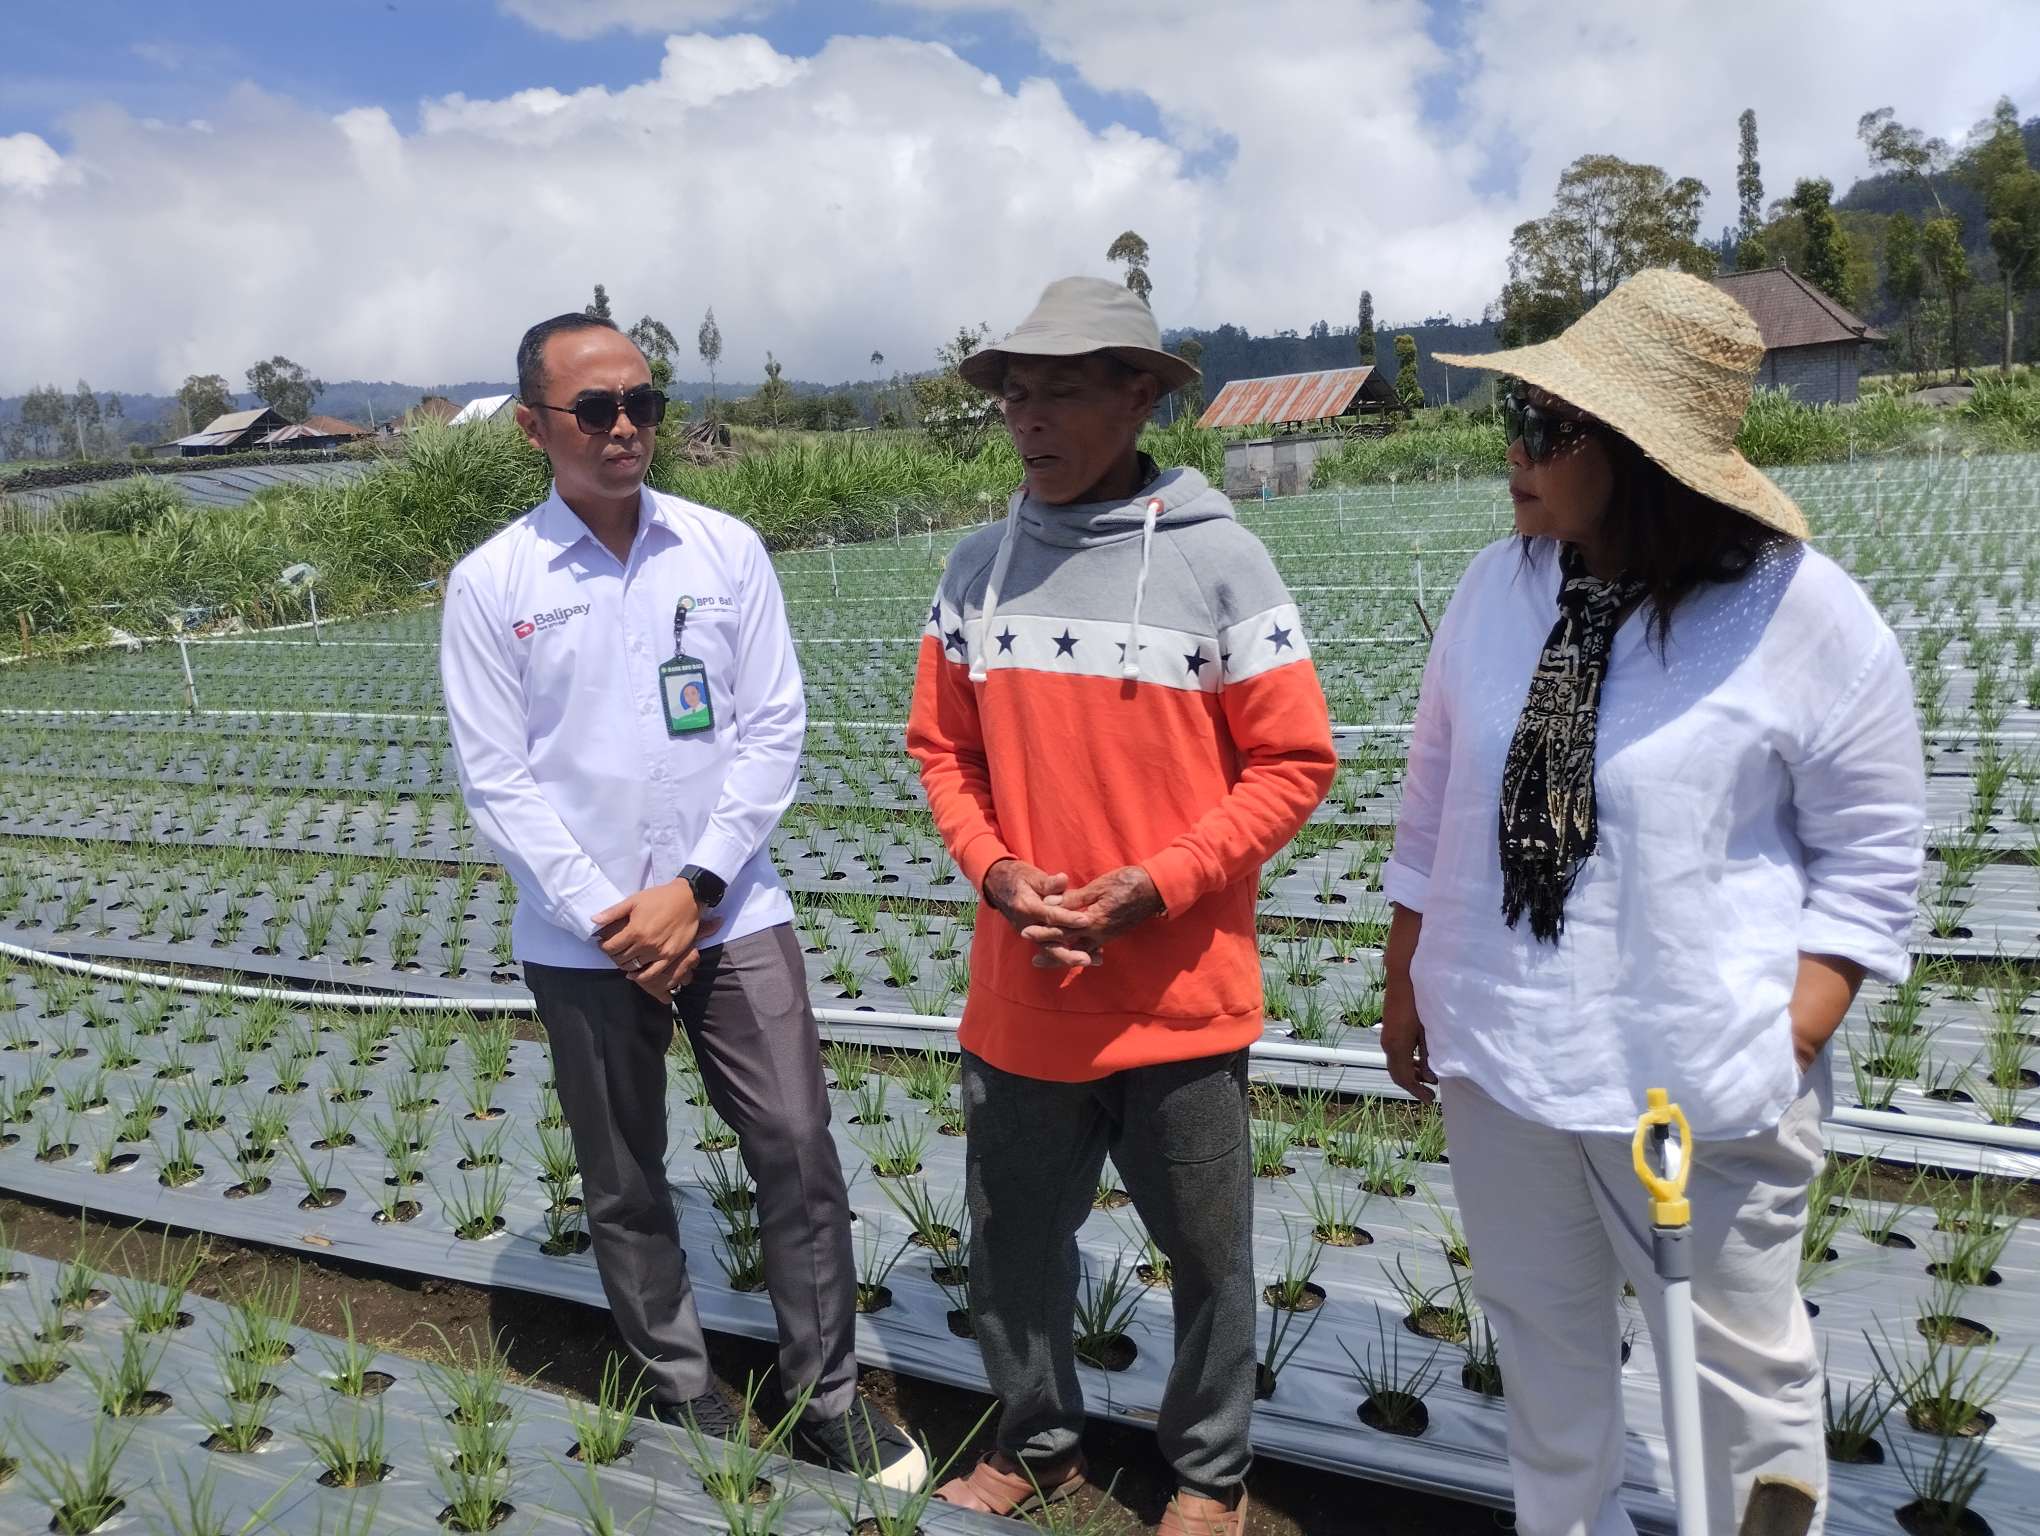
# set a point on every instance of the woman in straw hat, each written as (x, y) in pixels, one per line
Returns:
(1663, 813)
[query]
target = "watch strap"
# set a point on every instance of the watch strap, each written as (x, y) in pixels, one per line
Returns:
(709, 887)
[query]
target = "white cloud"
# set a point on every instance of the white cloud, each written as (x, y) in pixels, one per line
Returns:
(591, 18)
(881, 191)
(28, 164)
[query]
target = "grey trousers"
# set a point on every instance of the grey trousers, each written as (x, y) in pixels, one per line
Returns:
(1178, 1136)
(746, 1012)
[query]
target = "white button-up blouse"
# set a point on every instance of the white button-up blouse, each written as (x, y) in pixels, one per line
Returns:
(1760, 795)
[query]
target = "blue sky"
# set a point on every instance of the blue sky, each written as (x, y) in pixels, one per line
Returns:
(385, 188)
(171, 58)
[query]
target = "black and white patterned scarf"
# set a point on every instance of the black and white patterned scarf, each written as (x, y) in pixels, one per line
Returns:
(1548, 825)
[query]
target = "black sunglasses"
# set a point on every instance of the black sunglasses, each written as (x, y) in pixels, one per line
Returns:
(596, 414)
(1543, 432)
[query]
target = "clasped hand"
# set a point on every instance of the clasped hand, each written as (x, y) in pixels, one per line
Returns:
(1070, 927)
(654, 937)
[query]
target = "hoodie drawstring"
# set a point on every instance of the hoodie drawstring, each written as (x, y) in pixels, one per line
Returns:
(1129, 668)
(989, 615)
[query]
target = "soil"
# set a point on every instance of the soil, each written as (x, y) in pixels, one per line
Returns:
(562, 1347)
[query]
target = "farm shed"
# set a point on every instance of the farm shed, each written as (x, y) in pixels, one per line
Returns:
(1290, 403)
(231, 433)
(315, 432)
(484, 408)
(1812, 346)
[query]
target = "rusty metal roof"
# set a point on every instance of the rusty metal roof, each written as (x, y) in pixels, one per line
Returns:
(1790, 311)
(1292, 397)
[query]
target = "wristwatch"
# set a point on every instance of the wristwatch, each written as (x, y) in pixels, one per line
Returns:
(709, 887)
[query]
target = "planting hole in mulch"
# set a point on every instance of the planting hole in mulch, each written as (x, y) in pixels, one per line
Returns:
(566, 1247)
(497, 1413)
(1946, 1328)
(469, 1466)
(67, 1333)
(1108, 1351)
(1920, 1518)
(1962, 1421)
(262, 1437)
(1868, 1454)
(354, 1477)
(574, 1453)
(473, 1232)
(1440, 1323)
(960, 1324)
(873, 1298)
(1112, 1200)
(322, 1199)
(263, 1392)
(1152, 1275)
(1940, 1272)
(450, 1518)
(403, 1210)
(147, 1405)
(1275, 1171)
(373, 1384)
(1895, 1240)
(1311, 1298)
(1396, 1413)
(69, 1519)
(949, 1236)
(1339, 1236)
(1484, 1379)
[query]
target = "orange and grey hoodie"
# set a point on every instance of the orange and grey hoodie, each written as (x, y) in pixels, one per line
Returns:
(1107, 684)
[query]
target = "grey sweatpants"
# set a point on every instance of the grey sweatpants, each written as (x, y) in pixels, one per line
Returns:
(1556, 1222)
(746, 1012)
(1178, 1136)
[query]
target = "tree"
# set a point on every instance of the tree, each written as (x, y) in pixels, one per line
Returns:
(1133, 250)
(1611, 218)
(1906, 152)
(877, 360)
(2015, 240)
(1995, 167)
(1905, 279)
(45, 412)
(597, 308)
(1191, 350)
(1408, 388)
(85, 416)
(708, 341)
(957, 416)
(1827, 248)
(1947, 268)
(1749, 199)
(203, 397)
(1365, 339)
(774, 401)
(658, 346)
(285, 387)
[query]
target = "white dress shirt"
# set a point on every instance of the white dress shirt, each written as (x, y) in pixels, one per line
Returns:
(1760, 794)
(549, 654)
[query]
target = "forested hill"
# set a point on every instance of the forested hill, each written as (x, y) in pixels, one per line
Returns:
(1230, 353)
(1892, 193)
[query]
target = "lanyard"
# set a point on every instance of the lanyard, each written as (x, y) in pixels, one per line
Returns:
(680, 611)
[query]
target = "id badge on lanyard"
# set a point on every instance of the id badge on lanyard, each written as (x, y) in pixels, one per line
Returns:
(683, 682)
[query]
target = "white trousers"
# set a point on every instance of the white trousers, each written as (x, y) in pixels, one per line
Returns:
(1556, 1222)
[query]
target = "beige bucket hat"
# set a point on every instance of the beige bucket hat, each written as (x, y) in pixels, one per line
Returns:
(1668, 361)
(1079, 315)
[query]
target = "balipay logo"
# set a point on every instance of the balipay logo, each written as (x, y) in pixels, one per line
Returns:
(549, 618)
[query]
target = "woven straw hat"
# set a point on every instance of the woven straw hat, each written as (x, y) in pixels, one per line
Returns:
(1080, 315)
(1668, 361)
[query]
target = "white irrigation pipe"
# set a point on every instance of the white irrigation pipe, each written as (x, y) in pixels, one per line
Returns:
(2004, 1138)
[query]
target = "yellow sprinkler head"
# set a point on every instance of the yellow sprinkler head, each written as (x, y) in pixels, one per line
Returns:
(1668, 1204)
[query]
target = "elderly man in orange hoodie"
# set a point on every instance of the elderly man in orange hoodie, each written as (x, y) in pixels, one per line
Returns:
(1117, 722)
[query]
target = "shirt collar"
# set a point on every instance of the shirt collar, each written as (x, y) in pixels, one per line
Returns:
(558, 525)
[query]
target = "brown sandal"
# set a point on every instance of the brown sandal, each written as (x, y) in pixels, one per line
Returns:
(989, 1491)
(1207, 1517)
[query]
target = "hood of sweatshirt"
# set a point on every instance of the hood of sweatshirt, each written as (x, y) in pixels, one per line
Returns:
(1186, 498)
(1174, 498)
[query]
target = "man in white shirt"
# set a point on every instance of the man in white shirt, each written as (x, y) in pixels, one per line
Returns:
(628, 717)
